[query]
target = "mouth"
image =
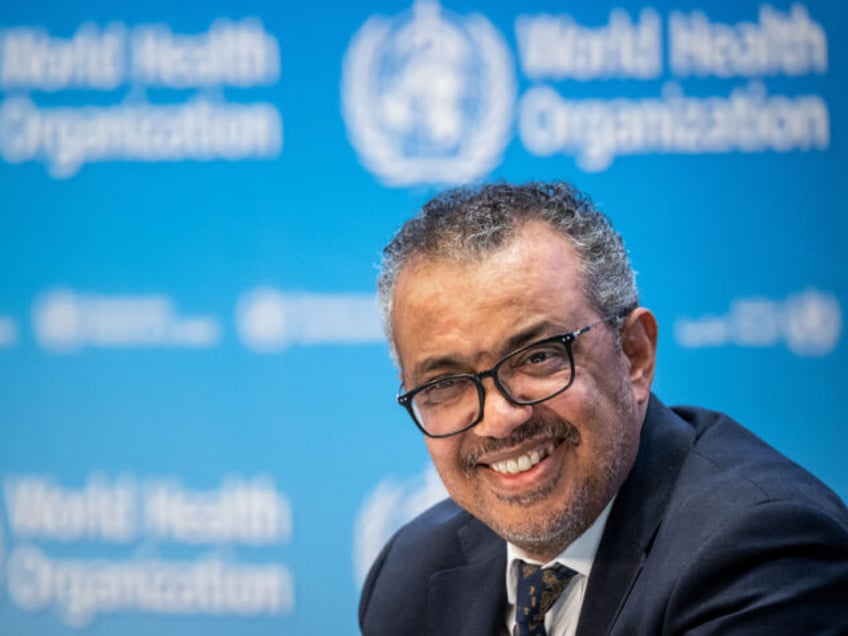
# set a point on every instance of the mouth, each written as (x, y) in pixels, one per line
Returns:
(525, 456)
(524, 462)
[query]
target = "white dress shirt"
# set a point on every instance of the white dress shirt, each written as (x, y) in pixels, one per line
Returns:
(561, 619)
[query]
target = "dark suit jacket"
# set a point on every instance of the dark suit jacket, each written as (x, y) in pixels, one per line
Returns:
(713, 532)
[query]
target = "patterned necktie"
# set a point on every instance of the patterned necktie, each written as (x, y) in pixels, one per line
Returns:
(538, 590)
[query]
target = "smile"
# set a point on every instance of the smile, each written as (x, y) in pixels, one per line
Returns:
(523, 462)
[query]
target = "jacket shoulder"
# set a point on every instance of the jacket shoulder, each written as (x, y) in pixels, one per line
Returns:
(394, 595)
(729, 468)
(749, 542)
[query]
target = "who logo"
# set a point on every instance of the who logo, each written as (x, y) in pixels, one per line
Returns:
(812, 322)
(428, 96)
(389, 506)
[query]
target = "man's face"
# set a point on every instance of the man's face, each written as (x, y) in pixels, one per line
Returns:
(451, 317)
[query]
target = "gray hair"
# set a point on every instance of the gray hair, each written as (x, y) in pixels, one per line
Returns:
(468, 223)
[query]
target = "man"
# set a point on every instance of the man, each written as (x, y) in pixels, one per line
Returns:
(527, 363)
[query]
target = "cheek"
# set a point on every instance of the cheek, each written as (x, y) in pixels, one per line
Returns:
(600, 407)
(580, 405)
(601, 393)
(612, 437)
(445, 456)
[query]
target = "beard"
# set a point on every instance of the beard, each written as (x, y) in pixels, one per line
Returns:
(549, 530)
(550, 533)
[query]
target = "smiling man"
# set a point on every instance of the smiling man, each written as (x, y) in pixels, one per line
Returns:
(580, 504)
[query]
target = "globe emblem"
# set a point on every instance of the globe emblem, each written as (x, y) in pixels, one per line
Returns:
(390, 505)
(812, 323)
(57, 321)
(428, 96)
(263, 320)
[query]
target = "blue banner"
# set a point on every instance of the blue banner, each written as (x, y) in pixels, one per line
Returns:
(198, 431)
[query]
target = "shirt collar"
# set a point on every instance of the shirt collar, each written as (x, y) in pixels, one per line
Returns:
(579, 555)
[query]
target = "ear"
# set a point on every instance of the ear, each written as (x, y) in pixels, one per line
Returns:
(639, 344)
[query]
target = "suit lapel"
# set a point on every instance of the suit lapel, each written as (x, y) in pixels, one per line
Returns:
(634, 518)
(470, 600)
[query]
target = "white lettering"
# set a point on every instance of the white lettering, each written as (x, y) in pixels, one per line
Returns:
(788, 44)
(556, 47)
(92, 58)
(102, 509)
(252, 512)
(65, 321)
(755, 322)
(246, 511)
(711, 331)
(808, 322)
(234, 53)
(597, 131)
(68, 138)
(83, 589)
(240, 54)
(268, 320)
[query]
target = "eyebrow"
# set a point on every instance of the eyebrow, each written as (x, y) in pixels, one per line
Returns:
(435, 363)
(538, 331)
(453, 363)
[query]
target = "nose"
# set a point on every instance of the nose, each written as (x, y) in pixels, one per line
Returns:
(500, 416)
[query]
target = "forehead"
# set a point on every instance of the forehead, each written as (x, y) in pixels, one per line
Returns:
(448, 307)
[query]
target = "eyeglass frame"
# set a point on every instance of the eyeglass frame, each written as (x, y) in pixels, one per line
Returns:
(567, 339)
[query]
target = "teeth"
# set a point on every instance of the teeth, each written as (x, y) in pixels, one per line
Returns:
(522, 463)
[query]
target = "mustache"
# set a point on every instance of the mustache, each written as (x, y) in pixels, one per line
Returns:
(543, 425)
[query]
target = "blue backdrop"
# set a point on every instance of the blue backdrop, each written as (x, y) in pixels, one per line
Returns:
(197, 423)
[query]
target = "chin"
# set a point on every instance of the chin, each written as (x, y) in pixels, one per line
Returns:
(548, 532)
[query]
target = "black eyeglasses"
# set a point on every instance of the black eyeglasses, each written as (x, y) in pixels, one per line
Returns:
(534, 373)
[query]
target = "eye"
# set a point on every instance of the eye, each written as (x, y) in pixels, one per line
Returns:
(442, 384)
(442, 390)
(538, 357)
(541, 360)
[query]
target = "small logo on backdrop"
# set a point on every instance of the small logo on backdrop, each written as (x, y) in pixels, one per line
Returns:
(808, 322)
(65, 321)
(390, 505)
(812, 323)
(428, 96)
(262, 321)
(268, 320)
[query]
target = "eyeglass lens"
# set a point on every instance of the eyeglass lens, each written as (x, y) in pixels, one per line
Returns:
(529, 375)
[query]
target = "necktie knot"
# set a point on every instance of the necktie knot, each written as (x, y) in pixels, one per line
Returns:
(538, 589)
